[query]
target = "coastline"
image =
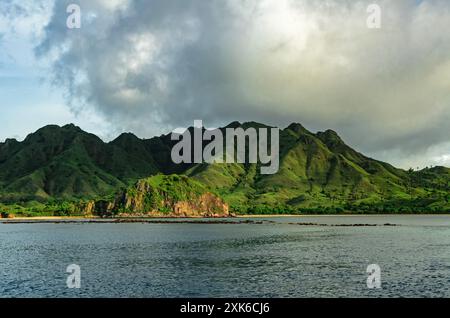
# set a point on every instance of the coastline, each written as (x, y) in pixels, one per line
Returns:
(242, 216)
(240, 219)
(335, 215)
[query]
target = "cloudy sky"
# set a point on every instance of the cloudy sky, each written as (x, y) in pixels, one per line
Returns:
(150, 66)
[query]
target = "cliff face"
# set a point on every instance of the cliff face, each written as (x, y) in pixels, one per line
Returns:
(207, 205)
(176, 196)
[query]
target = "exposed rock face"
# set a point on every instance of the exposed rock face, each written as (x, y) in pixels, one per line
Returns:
(207, 205)
(6, 215)
(134, 200)
(175, 196)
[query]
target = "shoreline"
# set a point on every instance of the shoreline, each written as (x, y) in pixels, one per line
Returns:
(240, 219)
(193, 218)
(336, 215)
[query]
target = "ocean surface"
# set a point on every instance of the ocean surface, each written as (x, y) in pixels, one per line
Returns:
(273, 259)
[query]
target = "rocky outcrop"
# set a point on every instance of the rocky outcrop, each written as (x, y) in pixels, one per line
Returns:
(207, 205)
(161, 196)
(6, 215)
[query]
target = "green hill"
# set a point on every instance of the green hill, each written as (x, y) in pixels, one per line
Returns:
(66, 163)
(160, 195)
(318, 173)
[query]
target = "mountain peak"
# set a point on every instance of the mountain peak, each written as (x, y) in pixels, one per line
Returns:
(233, 124)
(9, 141)
(246, 125)
(297, 128)
(53, 128)
(254, 124)
(71, 127)
(333, 141)
(329, 135)
(57, 134)
(126, 137)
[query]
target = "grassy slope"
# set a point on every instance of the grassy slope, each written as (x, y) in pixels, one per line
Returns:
(318, 172)
(66, 163)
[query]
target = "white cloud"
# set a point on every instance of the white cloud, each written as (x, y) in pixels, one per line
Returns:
(27, 103)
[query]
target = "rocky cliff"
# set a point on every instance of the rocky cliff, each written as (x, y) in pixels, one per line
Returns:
(173, 195)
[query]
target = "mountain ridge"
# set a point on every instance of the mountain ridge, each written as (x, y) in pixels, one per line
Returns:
(318, 172)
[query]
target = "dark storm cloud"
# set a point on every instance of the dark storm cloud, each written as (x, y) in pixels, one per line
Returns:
(148, 66)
